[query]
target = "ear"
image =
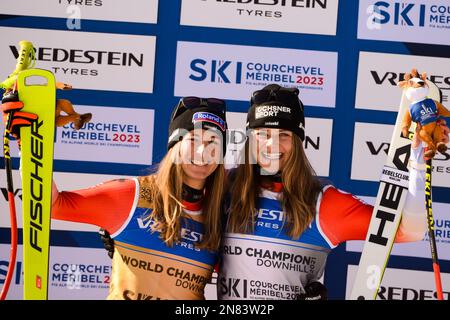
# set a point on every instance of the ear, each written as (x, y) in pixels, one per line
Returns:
(407, 76)
(424, 76)
(403, 84)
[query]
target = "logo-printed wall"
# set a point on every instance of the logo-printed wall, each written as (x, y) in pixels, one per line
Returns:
(129, 63)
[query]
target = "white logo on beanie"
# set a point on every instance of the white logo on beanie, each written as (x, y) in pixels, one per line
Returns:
(270, 111)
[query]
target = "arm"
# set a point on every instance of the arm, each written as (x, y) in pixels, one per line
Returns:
(406, 124)
(414, 224)
(344, 217)
(107, 205)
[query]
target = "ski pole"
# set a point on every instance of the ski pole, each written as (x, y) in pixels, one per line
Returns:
(25, 59)
(431, 236)
(12, 209)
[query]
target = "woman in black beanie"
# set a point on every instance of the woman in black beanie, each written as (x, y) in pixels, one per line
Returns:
(282, 220)
(167, 225)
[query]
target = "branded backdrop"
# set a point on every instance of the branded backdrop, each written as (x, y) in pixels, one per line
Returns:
(129, 62)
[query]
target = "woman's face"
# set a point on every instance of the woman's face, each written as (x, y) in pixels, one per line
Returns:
(271, 148)
(201, 154)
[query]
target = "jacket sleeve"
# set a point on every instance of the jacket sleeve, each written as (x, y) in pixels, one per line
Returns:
(107, 205)
(344, 217)
(414, 222)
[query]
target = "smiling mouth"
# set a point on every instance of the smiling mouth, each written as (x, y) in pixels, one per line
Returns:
(199, 164)
(272, 156)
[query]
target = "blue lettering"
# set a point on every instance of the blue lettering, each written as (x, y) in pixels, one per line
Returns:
(238, 72)
(18, 271)
(221, 71)
(403, 12)
(385, 14)
(3, 271)
(65, 134)
(195, 66)
(422, 15)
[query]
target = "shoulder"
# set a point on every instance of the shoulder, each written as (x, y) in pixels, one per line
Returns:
(116, 185)
(332, 200)
(342, 216)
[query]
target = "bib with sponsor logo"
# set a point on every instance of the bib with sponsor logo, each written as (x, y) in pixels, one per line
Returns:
(268, 264)
(144, 267)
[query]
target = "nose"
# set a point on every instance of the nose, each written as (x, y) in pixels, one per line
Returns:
(271, 144)
(200, 148)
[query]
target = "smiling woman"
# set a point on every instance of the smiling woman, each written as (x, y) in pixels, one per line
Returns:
(282, 220)
(166, 225)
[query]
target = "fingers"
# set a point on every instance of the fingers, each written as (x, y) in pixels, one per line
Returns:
(25, 115)
(12, 106)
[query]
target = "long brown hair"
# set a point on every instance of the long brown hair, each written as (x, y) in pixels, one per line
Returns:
(301, 188)
(165, 192)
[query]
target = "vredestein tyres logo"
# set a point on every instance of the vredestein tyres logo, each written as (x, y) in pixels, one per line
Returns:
(269, 8)
(89, 60)
(84, 57)
(142, 11)
(379, 73)
(381, 78)
(397, 284)
(371, 145)
(298, 16)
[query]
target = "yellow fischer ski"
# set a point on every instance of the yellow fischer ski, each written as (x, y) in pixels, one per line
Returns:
(37, 91)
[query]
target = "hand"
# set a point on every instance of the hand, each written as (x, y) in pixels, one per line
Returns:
(416, 141)
(108, 242)
(13, 118)
(314, 291)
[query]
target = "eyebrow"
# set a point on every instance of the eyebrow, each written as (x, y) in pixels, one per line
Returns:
(199, 136)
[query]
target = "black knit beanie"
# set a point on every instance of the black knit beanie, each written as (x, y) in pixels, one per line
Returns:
(277, 107)
(185, 119)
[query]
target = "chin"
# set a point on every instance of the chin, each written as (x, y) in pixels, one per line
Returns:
(196, 172)
(271, 168)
